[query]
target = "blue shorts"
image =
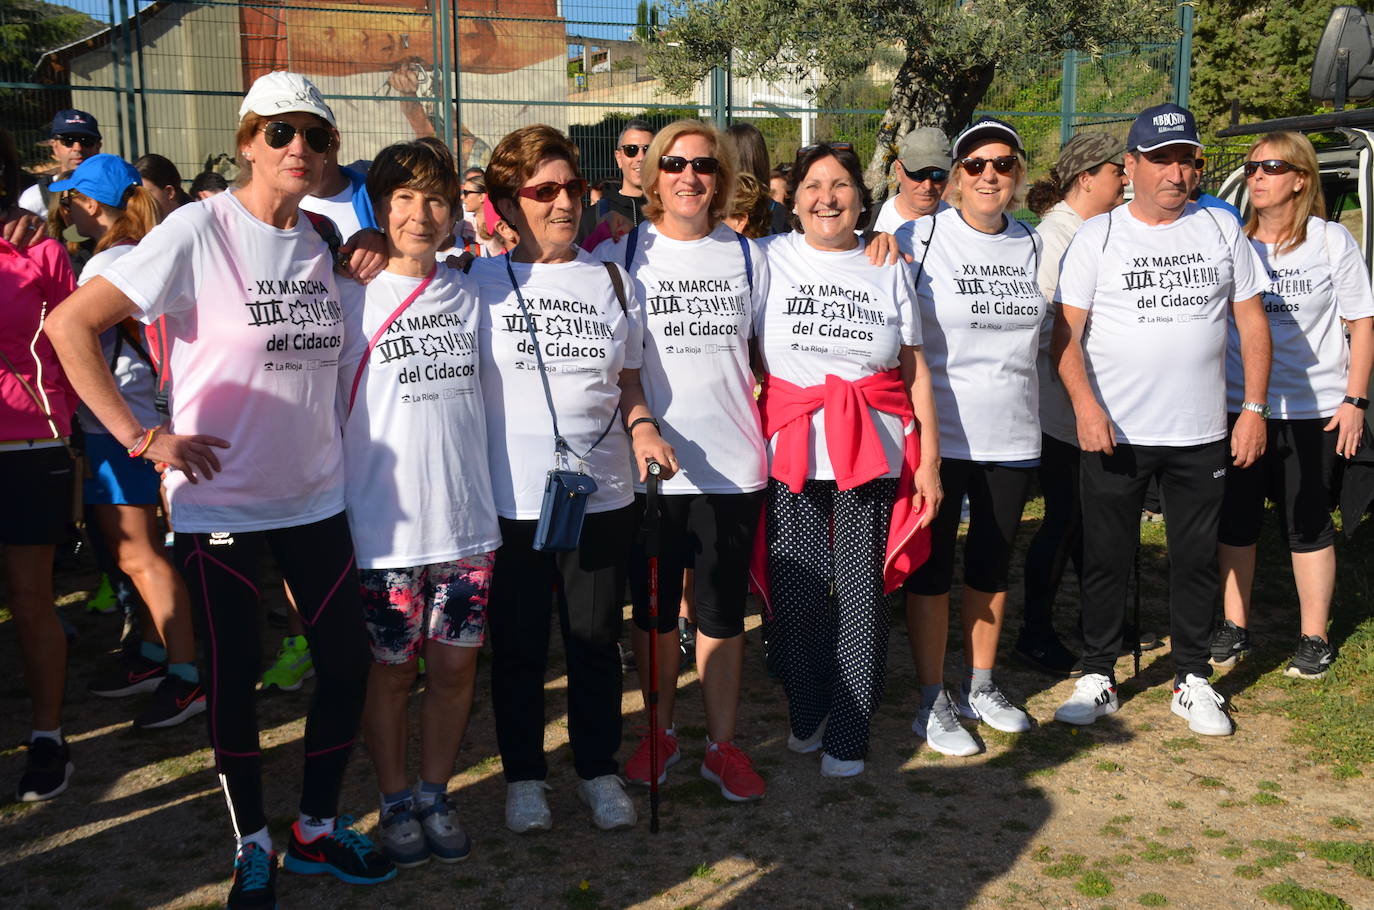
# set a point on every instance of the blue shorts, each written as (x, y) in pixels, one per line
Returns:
(116, 479)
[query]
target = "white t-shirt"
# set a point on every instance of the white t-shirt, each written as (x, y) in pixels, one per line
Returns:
(338, 209)
(889, 218)
(698, 315)
(835, 314)
(1158, 299)
(1311, 289)
(1056, 229)
(32, 199)
(415, 442)
(982, 309)
(133, 375)
(585, 339)
(255, 329)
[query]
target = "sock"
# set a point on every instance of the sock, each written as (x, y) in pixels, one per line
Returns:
(428, 794)
(670, 731)
(311, 827)
(390, 800)
(930, 693)
(978, 679)
(153, 651)
(259, 837)
(54, 735)
(186, 672)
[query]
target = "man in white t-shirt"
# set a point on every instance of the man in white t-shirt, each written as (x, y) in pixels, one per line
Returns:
(1145, 295)
(922, 172)
(342, 197)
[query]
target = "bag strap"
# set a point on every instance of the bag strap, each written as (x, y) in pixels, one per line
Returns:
(328, 231)
(631, 244)
(561, 447)
(616, 284)
(921, 267)
(381, 330)
(748, 261)
(126, 336)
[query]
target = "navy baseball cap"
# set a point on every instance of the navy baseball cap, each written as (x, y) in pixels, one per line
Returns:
(987, 129)
(1161, 125)
(104, 178)
(75, 123)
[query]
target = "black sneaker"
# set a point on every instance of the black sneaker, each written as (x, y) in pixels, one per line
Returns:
(687, 641)
(175, 701)
(343, 853)
(1230, 644)
(1149, 641)
(47, 772)
(627, 659)
(1046, 652)
(255, 880)
(1312, 659)
(131, 674)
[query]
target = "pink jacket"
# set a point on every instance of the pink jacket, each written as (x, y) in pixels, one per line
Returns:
(32, 283)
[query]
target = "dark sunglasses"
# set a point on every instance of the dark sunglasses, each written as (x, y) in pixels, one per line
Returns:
(676, 164)
(470, 193)
(936, 174)
(279, 134)
(86, 142)
(548, 192)
(1002, 164)
(832, 146)
(1271, 166)
(630, 150)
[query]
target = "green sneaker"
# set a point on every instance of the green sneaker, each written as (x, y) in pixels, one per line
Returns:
(103, 600)
(292, 666)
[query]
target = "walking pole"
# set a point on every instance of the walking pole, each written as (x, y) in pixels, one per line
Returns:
(1135, 645)
(649, 533)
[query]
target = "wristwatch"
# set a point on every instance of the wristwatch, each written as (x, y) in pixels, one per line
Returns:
(1256, 407)
(1361, 403)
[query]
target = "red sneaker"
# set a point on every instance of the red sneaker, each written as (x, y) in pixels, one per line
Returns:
(637, 768)
(727, 765)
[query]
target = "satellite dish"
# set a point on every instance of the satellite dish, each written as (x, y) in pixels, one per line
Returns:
(1342, 66)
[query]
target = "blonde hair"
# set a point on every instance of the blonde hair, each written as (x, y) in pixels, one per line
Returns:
(1297, 150)
(723, 152)
(955, 193)
(750, 206)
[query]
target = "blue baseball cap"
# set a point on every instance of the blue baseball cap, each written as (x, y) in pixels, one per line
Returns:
(1161, 125)
(104, 178)
(75, 123)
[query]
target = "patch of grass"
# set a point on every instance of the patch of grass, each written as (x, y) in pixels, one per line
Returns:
(1121, 819)
(1250, 872)
(1042, 853)
(1164, 831)
(1068, 867)
(1108, 766)
(1346, 772)
(1094, 884)
(703, 870)
(484, 766)
(1344, 823)
(1268, 799)
(1275, 860)
(1359, 855)
(1213, 832)
(1176, 804)
(1289, 893)
(1212, 783)
(1155, 852)
(1232, 852)
(1268, 786)
(1152, 899)
(582, 896)
(1230, 803)
(1111, 831)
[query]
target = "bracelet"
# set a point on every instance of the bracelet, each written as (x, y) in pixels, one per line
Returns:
(1361, 403)
(637, 421)
(138, 448)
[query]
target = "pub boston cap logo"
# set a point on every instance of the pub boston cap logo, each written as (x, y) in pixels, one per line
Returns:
(1161, 125)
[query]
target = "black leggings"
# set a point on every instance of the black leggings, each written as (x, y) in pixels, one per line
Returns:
(1059, 540)
(221, 572)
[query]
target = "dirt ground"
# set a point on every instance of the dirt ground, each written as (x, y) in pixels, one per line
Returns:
(1133, 811)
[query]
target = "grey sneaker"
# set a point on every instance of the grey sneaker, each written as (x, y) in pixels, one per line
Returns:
(940, 728)
(448, 842)
(989, 705)
(526, 808)
(400, 837)
(611, 808)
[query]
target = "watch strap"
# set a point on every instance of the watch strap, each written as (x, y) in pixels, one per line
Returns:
(1361, 403)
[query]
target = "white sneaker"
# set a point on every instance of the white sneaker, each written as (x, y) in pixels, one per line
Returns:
(611, 808)
(1093, 696)
(1205, 710)
(839, 767)
(811, 743)
(939, 726)
(989, 705)
(526, 808)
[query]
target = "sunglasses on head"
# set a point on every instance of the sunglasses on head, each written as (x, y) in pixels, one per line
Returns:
(630, 150)
(86, 142)
(1002, 164)
(676, 164)
(548, 192)
(278, 134)
(1271, 166)
(936, 174)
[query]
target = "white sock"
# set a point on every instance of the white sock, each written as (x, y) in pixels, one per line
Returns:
(312, 827)
(259, 837)
(54, 735)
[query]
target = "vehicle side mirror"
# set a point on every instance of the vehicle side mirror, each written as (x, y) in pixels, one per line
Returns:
(1342, 68)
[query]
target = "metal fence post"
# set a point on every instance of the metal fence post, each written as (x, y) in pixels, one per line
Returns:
(443, 95)
(1068, 92)
(1183, 62)
(720, 97)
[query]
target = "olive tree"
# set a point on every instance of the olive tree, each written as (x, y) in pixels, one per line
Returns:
(950, 50)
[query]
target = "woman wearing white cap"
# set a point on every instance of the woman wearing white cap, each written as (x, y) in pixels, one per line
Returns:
(981, 308)
(255, 327)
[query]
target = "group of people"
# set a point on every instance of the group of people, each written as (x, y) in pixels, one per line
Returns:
(801, 411)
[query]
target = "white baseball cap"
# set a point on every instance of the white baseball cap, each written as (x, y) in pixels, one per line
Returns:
(282, 93)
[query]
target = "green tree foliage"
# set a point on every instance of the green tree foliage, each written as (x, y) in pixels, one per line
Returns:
(950, 51)
(28, 28)
(1259, 53)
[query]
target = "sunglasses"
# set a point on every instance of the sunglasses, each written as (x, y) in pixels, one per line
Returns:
(86, 142)
(630, 150)
(1002, 164)
(832, 146)
(279, 134)
(466, 193)
(548, 192)
(1271, 166)
(935, 174)
(676, 164)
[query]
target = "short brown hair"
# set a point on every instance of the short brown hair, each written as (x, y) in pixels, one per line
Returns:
(424, 165)
(807, 156)
(720, 149)
(517, 156)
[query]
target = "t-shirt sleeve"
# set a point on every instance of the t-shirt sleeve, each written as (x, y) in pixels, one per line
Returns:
(907, 310)
(1249, 275)
(768, 247)
(159, 276)
(905, 238)
(634, 322)
(1078, 274)
(352, 297)
(1348, 275)
(758, 260)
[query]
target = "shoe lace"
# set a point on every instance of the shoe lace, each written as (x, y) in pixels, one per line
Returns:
(1311, 649)
(942, 712)
(347, 837)
(994, 695)
(440, 809)
(733, 757)
(1200, 690)
(253, 867)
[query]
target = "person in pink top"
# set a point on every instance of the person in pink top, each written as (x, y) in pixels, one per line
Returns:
(36, 486)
